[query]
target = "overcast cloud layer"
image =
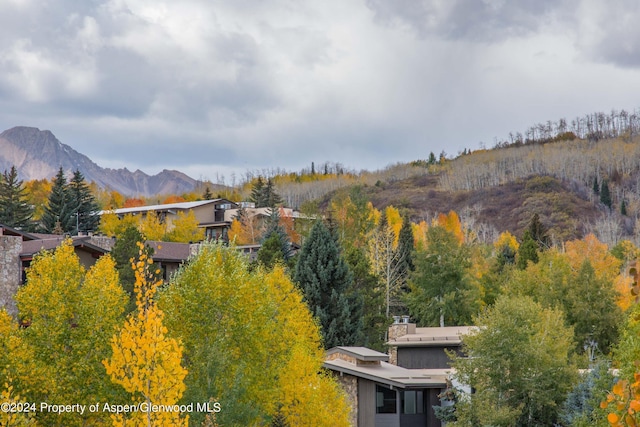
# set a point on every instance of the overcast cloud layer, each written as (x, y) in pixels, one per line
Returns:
(208, 87)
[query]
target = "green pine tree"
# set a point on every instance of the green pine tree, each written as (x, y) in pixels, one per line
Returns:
(596, 186)
(270, 198)
(207, 195)
(270, 252)
(59, 214)
(432, 158)
(327, 285)
(256, 192)
(369, 287)
(623, 208)
(124, 250)
(277, 237)
(605, 194)
(15, 211)
(405, 247)
(528, 251)
(85, 202)
(538, 233)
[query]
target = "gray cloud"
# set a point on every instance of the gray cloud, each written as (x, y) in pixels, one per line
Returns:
(206, 85)
(478, 20)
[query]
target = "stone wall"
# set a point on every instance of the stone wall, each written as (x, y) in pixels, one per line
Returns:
(10, 272)
(349, 384)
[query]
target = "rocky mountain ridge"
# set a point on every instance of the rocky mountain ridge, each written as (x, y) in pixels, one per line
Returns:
(38, 154)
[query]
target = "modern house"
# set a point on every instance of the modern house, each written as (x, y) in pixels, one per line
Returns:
(211, 214)
(398, 389)
(383, 394)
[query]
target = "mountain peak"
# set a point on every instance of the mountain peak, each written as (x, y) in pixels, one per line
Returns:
(38, 154)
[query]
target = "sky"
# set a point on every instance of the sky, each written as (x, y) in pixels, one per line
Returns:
(218, 88)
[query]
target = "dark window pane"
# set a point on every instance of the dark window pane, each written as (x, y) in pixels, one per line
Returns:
(385, 400)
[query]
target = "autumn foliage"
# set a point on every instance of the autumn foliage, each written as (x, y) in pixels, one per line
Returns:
(145, 362)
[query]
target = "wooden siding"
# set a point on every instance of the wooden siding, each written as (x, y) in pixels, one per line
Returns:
(366, 402)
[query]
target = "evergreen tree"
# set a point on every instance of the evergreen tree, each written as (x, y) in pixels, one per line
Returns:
(85, 202)
(405, 247)
(270, 198)
(60, 211)
(327, 285)
(124, 250)
(527, 251)
(14, 210)
(432, 158)
(596, 186)
(605, 194)
(623, 208)
(538, 233)
(256, 192)
(276, 240)
(270, 252)
(369, 287)
(207, 195)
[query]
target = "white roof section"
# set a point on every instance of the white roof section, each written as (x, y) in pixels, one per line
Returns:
(165, 207)
(445, 336)
(392, 375)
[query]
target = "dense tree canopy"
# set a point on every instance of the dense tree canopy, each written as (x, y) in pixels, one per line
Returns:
(250, 342)
(518, 364)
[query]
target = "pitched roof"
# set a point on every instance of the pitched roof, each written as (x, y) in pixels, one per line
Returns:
(10, 231)
(170, 251)
(32, 247)
(166, 207)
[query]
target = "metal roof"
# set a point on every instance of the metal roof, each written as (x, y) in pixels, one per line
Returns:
(165, 207)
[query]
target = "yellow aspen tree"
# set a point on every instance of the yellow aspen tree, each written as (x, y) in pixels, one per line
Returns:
(151, 227)
(251, 343)
(623, 284)
(185, 229)
(236, 233)
(145, 362)
(17, 370)
(23, 418)
(112, 225)
(506, 239)
(68, 315)
(419, 234)
(451, 222)
(341, 213)
(589, 248)
(309, 397)
(394, 219)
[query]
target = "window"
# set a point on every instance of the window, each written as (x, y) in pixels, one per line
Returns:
(412, 401)
(385, 400)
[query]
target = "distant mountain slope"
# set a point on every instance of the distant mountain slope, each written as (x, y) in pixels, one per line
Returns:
(38, 154)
